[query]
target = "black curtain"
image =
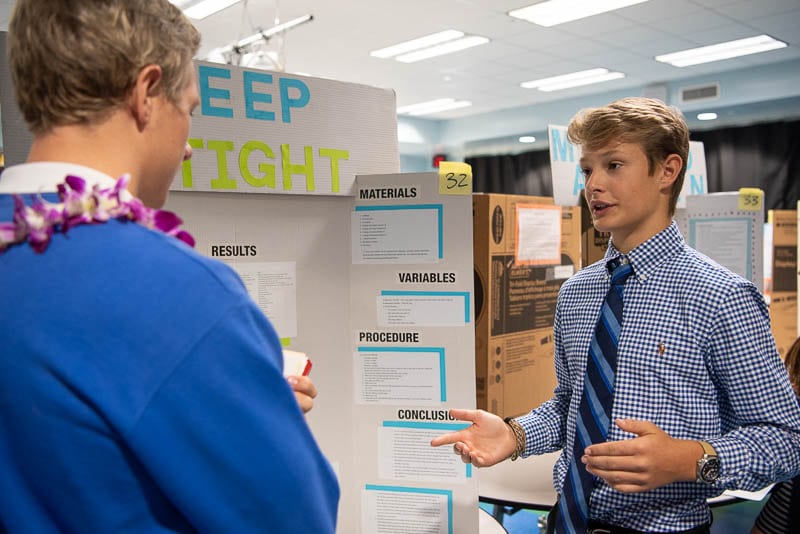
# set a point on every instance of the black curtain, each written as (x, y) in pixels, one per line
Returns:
(765, 155)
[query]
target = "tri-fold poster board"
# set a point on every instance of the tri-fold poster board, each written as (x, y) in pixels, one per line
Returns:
(366, 271)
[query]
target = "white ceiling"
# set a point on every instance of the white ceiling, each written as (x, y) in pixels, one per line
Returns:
(336, 44)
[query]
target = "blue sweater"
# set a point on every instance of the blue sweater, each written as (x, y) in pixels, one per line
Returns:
(141, 391)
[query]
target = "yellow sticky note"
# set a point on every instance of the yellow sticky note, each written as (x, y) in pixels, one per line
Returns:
(751, 199)
(455, 178)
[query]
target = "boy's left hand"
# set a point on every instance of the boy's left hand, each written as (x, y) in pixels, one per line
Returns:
(650, 460)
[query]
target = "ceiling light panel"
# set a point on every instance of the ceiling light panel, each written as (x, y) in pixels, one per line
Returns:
(573, 79)
(416, 44)
(708, 116)
(720, 51)
(428, 46)
(433, 106)
(445, 48)
(555, 12)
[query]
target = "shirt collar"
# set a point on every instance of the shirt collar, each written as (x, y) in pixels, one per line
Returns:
(44, 176)
(648, 256)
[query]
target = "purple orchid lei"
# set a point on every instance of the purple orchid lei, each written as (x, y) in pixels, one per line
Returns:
(80, 205)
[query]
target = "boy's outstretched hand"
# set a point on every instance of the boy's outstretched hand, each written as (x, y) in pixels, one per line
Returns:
(487, 441)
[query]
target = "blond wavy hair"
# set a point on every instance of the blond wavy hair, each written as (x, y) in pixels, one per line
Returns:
(75, 61)
(658, 128)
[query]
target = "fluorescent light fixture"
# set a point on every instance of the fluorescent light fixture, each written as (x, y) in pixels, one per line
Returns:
(559, 11)
(205, 8)
(433, 106)
(446, 48)
(416, 44)
(527, 139)
(217, 55)
(717, 52)
(278, 28)
(710, 116)
(574, 79)
(179, 3)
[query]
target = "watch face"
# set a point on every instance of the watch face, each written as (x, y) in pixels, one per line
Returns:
(709, 471)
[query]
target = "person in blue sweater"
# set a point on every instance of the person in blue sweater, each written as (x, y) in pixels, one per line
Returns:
(141, 389)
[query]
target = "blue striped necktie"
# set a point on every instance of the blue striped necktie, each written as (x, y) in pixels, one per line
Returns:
(594, 411)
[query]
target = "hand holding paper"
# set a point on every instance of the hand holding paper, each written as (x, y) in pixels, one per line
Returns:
(296, 366)
(295, 363)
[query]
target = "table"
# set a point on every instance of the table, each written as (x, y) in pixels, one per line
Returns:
(527, 483)
(512, 486)
(488, 524)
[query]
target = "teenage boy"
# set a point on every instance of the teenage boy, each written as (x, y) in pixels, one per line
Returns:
(142, 389)
(698, 400)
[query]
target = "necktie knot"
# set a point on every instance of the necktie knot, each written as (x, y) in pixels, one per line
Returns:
(620, 269)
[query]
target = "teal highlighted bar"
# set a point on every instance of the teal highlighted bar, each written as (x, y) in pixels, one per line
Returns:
(450, 427)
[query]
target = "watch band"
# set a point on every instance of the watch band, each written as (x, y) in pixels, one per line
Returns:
(707, 448)
(708, 465)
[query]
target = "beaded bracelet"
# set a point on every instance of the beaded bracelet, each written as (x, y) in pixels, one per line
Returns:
(519, 435)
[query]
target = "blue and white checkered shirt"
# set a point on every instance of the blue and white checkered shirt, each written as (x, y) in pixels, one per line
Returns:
(697, 358)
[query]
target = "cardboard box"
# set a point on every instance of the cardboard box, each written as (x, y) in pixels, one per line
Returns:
(593, 242)
(516, 286)
(783, 303)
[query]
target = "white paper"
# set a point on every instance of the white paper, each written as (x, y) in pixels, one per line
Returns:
(724, 240)
(405, 453)
(396, 234)
(538, 235)
(404, 511)
(273, 286)
(748, 495)
(422, 309)
(404, 375)
(561, 272)
(294, 362)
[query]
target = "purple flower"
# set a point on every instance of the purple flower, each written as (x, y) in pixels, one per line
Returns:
(166, 221)
(186, 237)
(76, 183)
(38, 222)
